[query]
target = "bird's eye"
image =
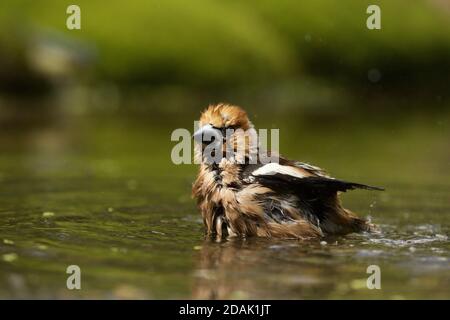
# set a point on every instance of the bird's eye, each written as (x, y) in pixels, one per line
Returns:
(223, 130)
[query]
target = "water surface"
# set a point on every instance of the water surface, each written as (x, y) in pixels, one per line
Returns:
(102, 193)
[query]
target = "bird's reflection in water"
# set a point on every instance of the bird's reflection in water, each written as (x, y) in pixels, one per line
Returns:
(259, 269)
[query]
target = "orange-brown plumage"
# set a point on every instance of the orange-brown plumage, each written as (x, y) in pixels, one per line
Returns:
(285, 200)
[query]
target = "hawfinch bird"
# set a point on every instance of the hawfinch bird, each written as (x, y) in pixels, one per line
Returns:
(239, 194)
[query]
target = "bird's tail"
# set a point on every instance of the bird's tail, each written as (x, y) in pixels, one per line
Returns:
(353, 185)
(336, 185)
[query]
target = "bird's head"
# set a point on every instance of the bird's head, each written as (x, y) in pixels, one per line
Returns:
(225, 127)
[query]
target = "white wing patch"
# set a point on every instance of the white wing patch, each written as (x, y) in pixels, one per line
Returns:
(275, 168)
(315, 170)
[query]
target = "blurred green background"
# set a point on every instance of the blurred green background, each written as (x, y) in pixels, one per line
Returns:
(86, 117)
(217, 45)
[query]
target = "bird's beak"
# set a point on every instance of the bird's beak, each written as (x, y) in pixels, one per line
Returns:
(207, 134)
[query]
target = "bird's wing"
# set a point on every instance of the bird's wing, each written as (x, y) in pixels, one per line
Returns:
(310, 185)
(309, 168)
(316, 194)
(299, 177)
